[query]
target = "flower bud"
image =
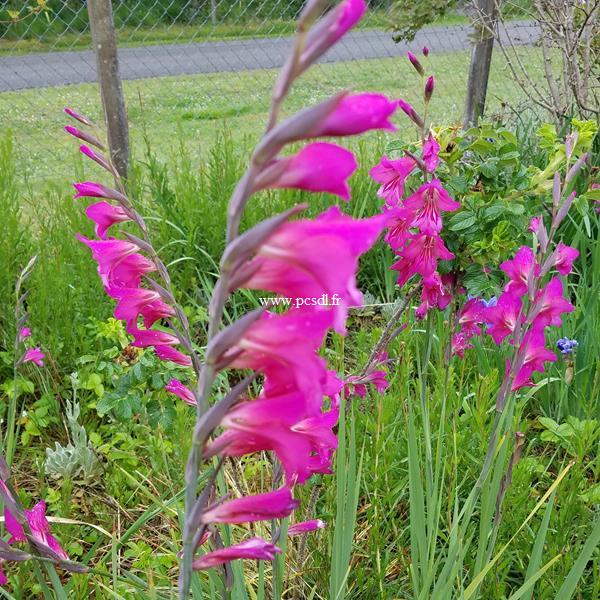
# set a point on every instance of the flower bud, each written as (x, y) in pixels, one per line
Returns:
(414, 61)
(411, 113)
(429, 86)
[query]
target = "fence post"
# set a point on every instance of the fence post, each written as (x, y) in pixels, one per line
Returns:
(104, 40)
(481, 57)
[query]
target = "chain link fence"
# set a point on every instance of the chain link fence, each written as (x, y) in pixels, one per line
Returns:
(193, 66)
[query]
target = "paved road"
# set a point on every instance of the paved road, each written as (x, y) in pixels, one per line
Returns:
(63, 68)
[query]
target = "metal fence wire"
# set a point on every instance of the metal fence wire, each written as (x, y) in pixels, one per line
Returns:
(206, 61)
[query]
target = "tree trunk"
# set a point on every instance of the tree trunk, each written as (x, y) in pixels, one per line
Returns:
(481, 58)
(111, 90)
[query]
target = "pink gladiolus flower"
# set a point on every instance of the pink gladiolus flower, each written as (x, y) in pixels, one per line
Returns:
(520, 270)
(309, 258)
(421, 256)
(427, 203)
(471, 316)
(105, 215)
(356, 114)
(392, 174)
(504, 316)
(305, 527)
(260, 507)
(284, 348)
(535, 355)
(119, 264)
(39, 526)
(550, 303)
(434, 293)
(34, 355)
(431, 151)
(176, 387)
(281, 423)
(91, 189)
(24, 333)
(133, 302)
(318, 167)
(151, 337)
(461, 341)
(399, 225)
(357, 384)
(534, 224)
(565, 256)
(168, 353)
(253, 549)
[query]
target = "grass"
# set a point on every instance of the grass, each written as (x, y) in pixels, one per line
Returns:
(192, 109)
(408, 458)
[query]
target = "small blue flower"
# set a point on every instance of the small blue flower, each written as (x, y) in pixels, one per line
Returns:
(566, 346)
(491, 302)
(487, 303)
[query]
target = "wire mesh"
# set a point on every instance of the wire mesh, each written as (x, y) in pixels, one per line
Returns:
(191, 66)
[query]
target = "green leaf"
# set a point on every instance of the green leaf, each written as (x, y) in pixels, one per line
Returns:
(462, 220)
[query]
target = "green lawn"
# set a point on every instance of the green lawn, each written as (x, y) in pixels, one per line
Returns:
(193, 109)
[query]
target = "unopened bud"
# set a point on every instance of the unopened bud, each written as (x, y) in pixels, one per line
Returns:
(411, 113)
(414, 61)
(425, 51)
(429, 86)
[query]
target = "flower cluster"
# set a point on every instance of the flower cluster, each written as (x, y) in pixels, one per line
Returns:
(30, 527)
(566, 346)
(416, 220)
(532, 300)
(296, 408)
(374, 374)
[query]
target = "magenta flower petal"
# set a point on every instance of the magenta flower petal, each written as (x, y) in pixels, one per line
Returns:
(392, 174)
(151, 337)
(520, 270)
(133, 302)
(318, 167)
(565, 257)
(13, 527)
(426, 204)
(34, 355)
(91, 189)
(305, 527)
(40, 529)
(168, 353)
(260, 507)
(176, 387)
(311, 259)
(431, 151)
(105, 215)
(24, 333)
(356, 114)
(504, 316)
(253, 549)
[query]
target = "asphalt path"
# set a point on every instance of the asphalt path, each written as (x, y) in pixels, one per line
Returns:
(47, 69)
